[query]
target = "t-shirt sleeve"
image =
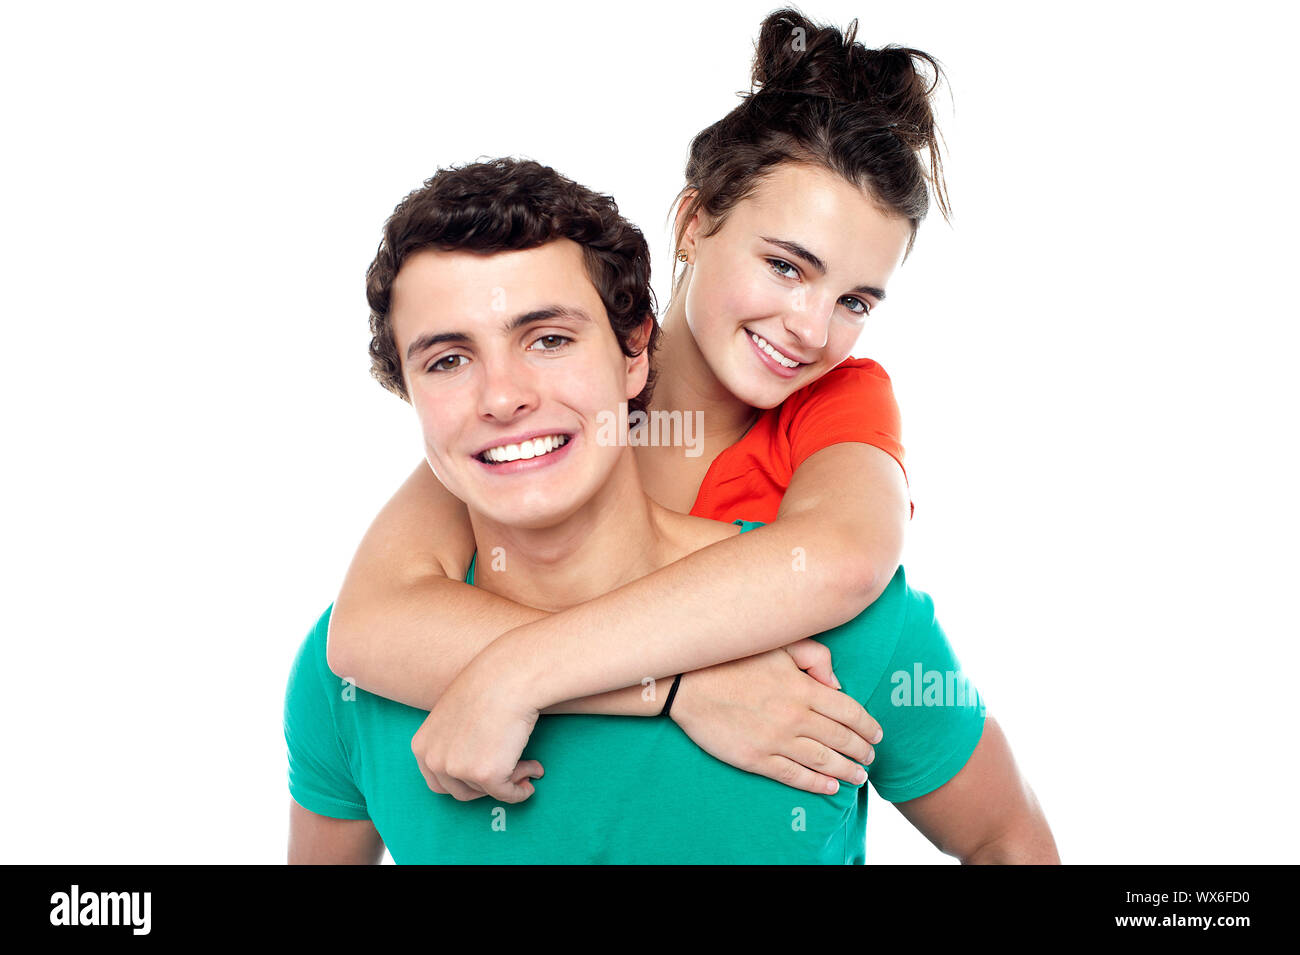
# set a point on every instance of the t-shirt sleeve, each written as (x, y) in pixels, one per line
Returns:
(931, 714)
(852, 402)
(320, 779)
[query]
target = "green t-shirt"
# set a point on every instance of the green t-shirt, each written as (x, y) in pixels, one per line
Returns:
(625, 789)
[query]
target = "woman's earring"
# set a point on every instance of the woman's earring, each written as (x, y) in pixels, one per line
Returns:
(681, 255)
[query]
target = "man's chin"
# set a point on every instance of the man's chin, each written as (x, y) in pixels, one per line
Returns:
(528, 516)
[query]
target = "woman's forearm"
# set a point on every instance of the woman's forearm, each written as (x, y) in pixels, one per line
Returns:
(639, 700)
(799, 578)
(404, 624)
(593, 658)
(420, 660)
(409, 642)
(404, 627)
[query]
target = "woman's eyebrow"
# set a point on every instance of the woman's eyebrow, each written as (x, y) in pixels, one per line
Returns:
(798, 251)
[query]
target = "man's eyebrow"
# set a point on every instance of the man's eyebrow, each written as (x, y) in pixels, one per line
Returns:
(798, 251)
(546, 314)
(425, 342)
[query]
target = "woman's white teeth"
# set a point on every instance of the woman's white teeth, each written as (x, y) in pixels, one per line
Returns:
(773, 353)
(527, 449)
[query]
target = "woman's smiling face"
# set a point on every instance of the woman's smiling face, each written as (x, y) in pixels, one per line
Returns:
(779, 294)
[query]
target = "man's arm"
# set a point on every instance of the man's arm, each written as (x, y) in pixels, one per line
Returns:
(986, 813)
(321, 840)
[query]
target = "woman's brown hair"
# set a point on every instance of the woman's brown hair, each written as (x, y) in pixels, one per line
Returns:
(818, 96)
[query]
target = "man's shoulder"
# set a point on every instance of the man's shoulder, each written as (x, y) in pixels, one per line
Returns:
(314, 688)
(310, 666)
(317, 640)
(318, 736)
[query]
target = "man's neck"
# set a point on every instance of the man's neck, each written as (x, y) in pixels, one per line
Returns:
(616, 537)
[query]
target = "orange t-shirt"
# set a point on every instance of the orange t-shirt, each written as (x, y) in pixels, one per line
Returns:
(854, 401)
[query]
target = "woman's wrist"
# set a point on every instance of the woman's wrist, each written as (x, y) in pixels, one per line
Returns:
(672, 695)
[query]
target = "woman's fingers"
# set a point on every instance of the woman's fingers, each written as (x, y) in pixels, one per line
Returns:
(527, 769)
(822, 759)
(844, 709)
(520, 785)
(459, 790)
(814, 659)
(798, 776)
(513, 790)
(809, 764)
(838, 737)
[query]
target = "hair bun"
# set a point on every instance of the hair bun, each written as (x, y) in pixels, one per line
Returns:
(796, 57)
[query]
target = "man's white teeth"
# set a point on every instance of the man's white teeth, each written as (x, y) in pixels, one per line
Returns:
(773, 353)
(528, 449)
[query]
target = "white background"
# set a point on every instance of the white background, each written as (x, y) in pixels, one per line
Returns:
(1092, 364)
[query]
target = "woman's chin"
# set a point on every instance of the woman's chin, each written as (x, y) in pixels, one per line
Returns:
(763, 394)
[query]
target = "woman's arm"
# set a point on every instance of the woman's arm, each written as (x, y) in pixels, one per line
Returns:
(403, 628)
(385, 636)
(405, 624)
(831, 552)
(815, 567)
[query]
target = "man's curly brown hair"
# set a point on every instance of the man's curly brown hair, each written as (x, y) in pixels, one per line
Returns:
(507, 205)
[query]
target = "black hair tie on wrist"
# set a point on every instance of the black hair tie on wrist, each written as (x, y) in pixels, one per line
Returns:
(671, 693)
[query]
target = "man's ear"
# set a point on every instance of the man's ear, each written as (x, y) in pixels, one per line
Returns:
(638, 368)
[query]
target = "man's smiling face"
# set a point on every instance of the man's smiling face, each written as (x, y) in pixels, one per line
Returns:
(509, 360)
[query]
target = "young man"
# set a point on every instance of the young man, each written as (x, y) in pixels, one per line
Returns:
(504, 334)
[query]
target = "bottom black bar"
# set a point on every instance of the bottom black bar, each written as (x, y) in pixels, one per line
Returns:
(1225, 904)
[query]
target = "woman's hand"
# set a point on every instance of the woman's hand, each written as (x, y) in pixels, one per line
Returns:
(764, 715)
(470, 743)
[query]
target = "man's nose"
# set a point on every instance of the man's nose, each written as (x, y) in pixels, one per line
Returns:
(507, 389)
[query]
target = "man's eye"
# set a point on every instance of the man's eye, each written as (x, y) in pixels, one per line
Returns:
(440, 364)
(856, 305)
(556, 342)
(779, 264)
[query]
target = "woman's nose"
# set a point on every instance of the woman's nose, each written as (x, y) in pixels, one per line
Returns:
(809, 319)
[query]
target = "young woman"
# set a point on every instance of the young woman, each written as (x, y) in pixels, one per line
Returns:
(798, 206)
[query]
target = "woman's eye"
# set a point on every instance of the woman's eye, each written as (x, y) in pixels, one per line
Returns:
(440, 364)
(856, 305)
(556, 342)
(779, 265)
